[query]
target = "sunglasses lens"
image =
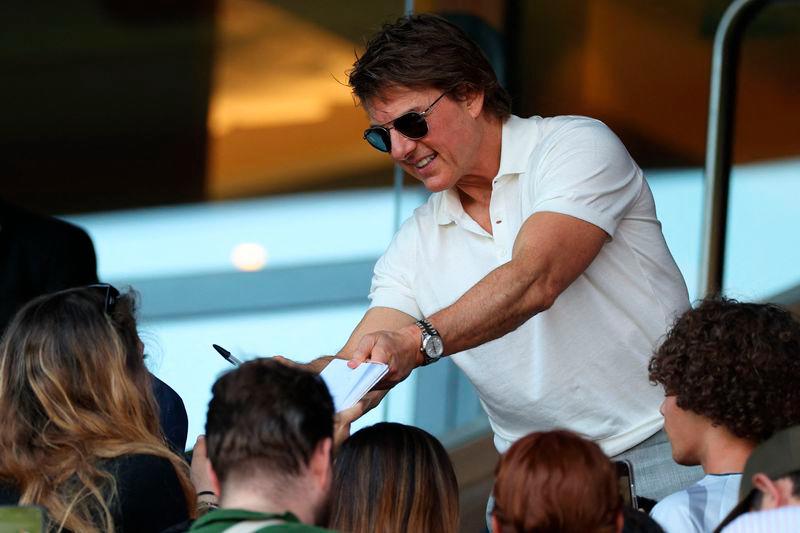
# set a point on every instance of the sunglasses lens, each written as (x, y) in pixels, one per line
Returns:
(379, 139)
(412, 125)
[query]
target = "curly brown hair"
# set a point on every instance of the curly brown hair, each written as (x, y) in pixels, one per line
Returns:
(737, 364)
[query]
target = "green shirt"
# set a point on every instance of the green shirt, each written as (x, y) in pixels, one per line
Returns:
(221, 519)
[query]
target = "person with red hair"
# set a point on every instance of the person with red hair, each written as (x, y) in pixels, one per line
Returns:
(556, 481)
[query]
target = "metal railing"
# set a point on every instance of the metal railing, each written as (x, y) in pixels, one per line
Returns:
(719, 143)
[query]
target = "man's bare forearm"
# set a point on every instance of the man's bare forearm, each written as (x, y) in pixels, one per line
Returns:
(543, 266)
(496, 305)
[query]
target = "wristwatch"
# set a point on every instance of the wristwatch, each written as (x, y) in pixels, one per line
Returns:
(431, 347)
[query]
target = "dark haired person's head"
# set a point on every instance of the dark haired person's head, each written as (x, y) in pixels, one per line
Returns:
(269, 430)
(731, 365)
(556, 481)
(433, 101)
(393, 477)
(426, 51)
(74, 391)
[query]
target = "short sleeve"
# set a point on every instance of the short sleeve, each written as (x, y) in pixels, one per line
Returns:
(392, 279)
(583, 170)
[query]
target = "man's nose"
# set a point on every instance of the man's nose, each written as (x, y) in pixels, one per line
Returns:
(402, 146)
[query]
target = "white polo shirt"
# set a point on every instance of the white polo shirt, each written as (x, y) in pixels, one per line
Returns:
(582, 364)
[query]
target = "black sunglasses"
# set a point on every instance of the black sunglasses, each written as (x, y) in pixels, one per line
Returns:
(110, 295)
(412, 125)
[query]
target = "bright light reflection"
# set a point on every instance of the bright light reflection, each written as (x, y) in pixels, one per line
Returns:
(249, 257)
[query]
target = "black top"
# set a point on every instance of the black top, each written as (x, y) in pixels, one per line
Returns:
(150, 497)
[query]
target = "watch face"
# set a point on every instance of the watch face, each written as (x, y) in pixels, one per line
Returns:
(434, 347)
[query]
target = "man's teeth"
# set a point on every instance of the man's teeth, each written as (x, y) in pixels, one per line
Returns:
(422, 162)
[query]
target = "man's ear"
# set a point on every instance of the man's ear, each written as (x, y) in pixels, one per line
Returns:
(772, 495)
(474, 102)
(320, 464)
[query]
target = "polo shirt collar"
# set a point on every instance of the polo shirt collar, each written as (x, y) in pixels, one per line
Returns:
(517, 146)
(448, 207)
(515, 150)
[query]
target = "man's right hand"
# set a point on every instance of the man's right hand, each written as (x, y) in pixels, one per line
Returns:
(399, 349)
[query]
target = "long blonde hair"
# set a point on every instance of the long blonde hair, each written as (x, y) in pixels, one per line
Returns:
(74, 392)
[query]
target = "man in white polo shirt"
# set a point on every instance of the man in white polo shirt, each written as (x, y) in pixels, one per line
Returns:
(537, 264)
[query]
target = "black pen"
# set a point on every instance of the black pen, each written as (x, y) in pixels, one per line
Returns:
(226, 355)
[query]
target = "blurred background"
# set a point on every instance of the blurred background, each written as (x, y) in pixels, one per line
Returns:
(213, 151)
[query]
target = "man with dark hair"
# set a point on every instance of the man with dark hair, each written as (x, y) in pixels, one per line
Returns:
(770, 491)
(269, 435)
(538, 263)
(731, 372)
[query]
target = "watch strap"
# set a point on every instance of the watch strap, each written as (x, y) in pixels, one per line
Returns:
(427, 327)
(427, 331)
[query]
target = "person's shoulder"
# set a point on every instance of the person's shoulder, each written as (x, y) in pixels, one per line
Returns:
(139, 462)
(782, 519)
(142, 475)
(296, 528)
(222, 519)
(9, 493)
(676, 500)
(563, 127)
(673, 513)
(569, 136)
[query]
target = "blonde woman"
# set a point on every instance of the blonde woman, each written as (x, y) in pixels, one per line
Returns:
(80, 433)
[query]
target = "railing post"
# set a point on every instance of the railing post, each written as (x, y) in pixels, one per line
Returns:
(719, 142)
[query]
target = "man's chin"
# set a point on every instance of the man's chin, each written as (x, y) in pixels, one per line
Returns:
(434, 184)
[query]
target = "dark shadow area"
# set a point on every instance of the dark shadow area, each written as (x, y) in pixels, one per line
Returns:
(105, 102)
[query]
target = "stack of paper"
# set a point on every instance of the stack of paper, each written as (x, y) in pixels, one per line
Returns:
(348, 385)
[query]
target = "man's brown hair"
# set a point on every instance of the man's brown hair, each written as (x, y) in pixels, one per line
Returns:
(266, 417)
(424, 51)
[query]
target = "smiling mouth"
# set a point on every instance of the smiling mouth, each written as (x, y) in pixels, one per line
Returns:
(424, 162)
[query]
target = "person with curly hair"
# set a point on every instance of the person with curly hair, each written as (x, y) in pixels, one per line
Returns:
(730, 371)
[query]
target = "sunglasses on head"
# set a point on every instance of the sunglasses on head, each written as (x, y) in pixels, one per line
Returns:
(412, 125)
(110, 295)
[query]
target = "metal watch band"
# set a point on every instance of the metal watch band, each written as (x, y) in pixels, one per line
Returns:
(427, 331)
(427, 327)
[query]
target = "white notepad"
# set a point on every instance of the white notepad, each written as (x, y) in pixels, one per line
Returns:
(348, 385)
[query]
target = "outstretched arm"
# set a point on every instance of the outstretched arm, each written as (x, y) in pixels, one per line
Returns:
(550, 252)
